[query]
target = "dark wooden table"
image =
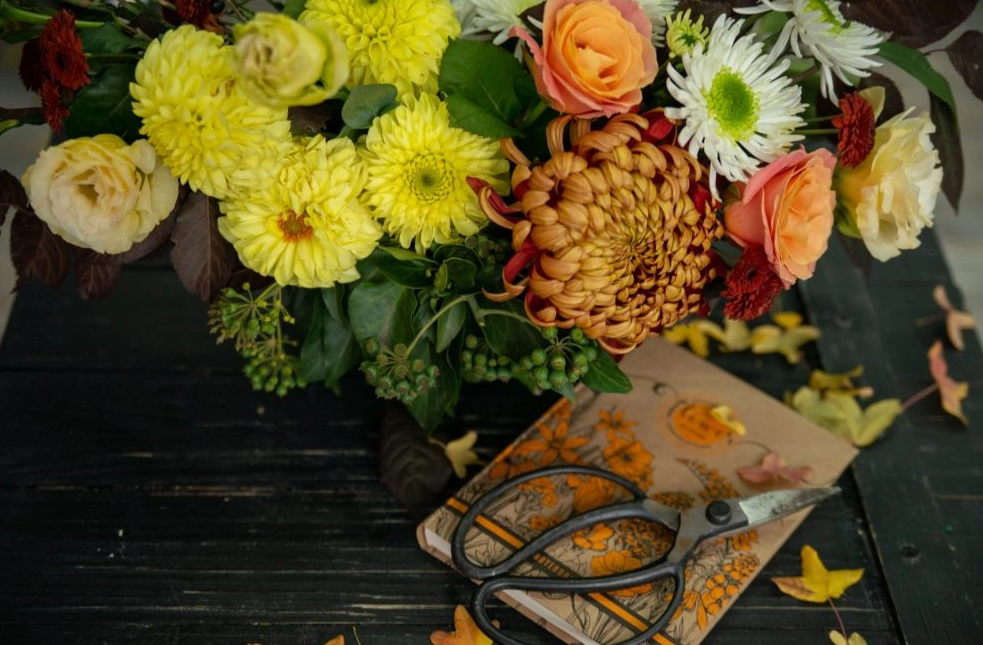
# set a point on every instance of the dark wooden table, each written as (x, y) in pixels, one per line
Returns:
(147, 495)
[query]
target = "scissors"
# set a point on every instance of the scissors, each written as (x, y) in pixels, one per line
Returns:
(691, 527)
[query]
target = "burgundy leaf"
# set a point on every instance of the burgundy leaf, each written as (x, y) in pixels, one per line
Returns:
(36, 252)
(414, 470)
(914, 23)
(95, 277)
(773, 469)
(12, 195)
(966, 53)
(946, 140)
(310, 119)
(202, 258)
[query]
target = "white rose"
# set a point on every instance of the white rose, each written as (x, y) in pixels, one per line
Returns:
(101, 193)
(891, 196)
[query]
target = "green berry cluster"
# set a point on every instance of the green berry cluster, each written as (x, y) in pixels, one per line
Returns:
(479, 363)
(563, 361)
(255, 323)
(394, 374)
(489, 250)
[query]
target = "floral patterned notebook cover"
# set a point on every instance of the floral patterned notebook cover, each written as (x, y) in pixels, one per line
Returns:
(663, 437)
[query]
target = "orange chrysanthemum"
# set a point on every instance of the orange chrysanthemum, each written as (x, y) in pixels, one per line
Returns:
(752, 285)
(62, 58)
(857, 125)
(613, 235)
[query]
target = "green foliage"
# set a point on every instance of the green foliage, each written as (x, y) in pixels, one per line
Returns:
(365, 103)
(105, 106)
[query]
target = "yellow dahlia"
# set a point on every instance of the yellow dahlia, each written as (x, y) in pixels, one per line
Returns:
(613, 236)
(198, 120)
(399, 42)
(418, 168)
(306, 228)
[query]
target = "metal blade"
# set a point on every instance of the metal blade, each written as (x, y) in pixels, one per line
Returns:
(779, 503)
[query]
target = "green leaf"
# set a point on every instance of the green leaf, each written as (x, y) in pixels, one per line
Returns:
(107, 40)
(604, 375)
(916, 64)
(293, 8)
(474, 118)
(456, 275)
(947, 141)
(365, 103)
(383, 310)
(104, 106)
(507, 329)
(877, 418)
(493, 87)
(431, 406)
(329, 350)
(413, 271)
(449, 324)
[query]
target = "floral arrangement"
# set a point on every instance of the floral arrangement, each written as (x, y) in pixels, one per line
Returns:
(440, 191)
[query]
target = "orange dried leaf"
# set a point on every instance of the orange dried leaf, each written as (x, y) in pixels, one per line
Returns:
(773, 469)
(955, 320)
(817, 583)
(952, 392)
(337, 640)
(465, 631)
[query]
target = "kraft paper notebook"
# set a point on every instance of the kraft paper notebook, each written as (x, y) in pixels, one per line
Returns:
(663, 437)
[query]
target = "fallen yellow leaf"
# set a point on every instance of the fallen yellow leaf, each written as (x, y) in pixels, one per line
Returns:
(465, 631)
(734, 336)
(691, 335)
(337, 640)
(725, 415)
(841, 383)
(817, 583)
(787, 319)
(838, 639)
(955, 320)
(459, 452)
(843, 416)
(767, 339)
(952, 392)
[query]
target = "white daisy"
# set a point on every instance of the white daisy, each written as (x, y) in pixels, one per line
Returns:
(819, 29)
(481, 19)
(657, 12)
(739, 108)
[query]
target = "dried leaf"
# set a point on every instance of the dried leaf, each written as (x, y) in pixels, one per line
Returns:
(733, 337)
(952, 392)
(773, 469)
(337, 640)
(95, 278)
(725, 415)
(465, 631)
(767, 339)
(817, 583)
(414, 470)
(841, 383)
(459, 452)
(955, 320)
(36, 252)
(838, 639)
(843, 416)
(965, 53)
(202, 258)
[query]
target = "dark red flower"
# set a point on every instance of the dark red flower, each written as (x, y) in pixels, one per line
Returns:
(30, 66)
(203, 14)
(857, 126)
(752, 286)
(62, 58)
(52, 104)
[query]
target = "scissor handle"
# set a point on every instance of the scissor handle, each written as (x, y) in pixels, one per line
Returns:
(639, 506)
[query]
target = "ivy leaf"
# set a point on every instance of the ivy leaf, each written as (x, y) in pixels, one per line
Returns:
(461, 454)
(202, 258)
(952, 392)
(465, 631)
(773, 469)
(817, 584)
(604, 375)
(414, 470)
(955, 320)
(36, 252)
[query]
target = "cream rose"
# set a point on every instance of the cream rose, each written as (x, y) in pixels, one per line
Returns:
(100, 193)
(596, 56)
(787, 207)
(282, 62)
(890, 197)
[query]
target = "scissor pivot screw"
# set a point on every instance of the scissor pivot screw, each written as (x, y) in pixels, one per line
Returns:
(718, 512)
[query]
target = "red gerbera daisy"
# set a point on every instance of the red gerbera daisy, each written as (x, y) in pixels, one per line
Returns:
(857, 125)
(62, 58)
(752, 285)
(52, 104)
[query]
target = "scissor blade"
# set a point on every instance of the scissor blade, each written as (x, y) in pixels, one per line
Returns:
(779, 503)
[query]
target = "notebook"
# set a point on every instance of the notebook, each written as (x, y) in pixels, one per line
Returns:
(670, 436)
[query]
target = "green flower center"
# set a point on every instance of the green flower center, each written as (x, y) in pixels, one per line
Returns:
(829, 17)
(733, 104)
(430, 178)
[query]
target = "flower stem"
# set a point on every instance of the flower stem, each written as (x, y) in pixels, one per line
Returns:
(839, 619)
(443, 310)
(818, 131)
(918, 396)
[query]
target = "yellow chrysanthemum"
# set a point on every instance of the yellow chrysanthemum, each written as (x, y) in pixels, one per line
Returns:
(204, 128)
(418, 168)
(391, 41)
(306, 228)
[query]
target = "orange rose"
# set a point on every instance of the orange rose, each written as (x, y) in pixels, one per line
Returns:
(787, 207)
(596, 56)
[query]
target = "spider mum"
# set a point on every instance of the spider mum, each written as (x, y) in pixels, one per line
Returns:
(857, 128)
(390, 41)
(307, 228)
(209, 134)
(613, 235)
(418, 168)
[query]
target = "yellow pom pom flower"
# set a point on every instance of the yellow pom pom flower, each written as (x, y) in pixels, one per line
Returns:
(208, 133)
(418, 167)
(390, 41)
(306, 228)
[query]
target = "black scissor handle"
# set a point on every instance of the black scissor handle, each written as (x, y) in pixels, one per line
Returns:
(637, 507)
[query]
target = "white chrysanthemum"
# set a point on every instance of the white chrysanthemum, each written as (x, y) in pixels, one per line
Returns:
(481, 19)
(657, 12)
(739, 108)
(818, 29)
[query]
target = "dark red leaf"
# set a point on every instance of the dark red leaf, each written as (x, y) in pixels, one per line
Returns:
(915, 23)
(414, 470)
(310, 119)
(947, 142)
(966, 52)
(202, 258)
(36, 252)
(95, 277)
(12, 195)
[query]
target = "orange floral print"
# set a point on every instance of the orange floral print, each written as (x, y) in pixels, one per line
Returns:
(545, 488)
(614, 562)
(590, 492)
(614, 423)
(596, 539)
(553, 445)
(631, 460)
(542, 523)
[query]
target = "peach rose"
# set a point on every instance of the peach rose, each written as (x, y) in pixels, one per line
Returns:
(787, 207)
(596, 56)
